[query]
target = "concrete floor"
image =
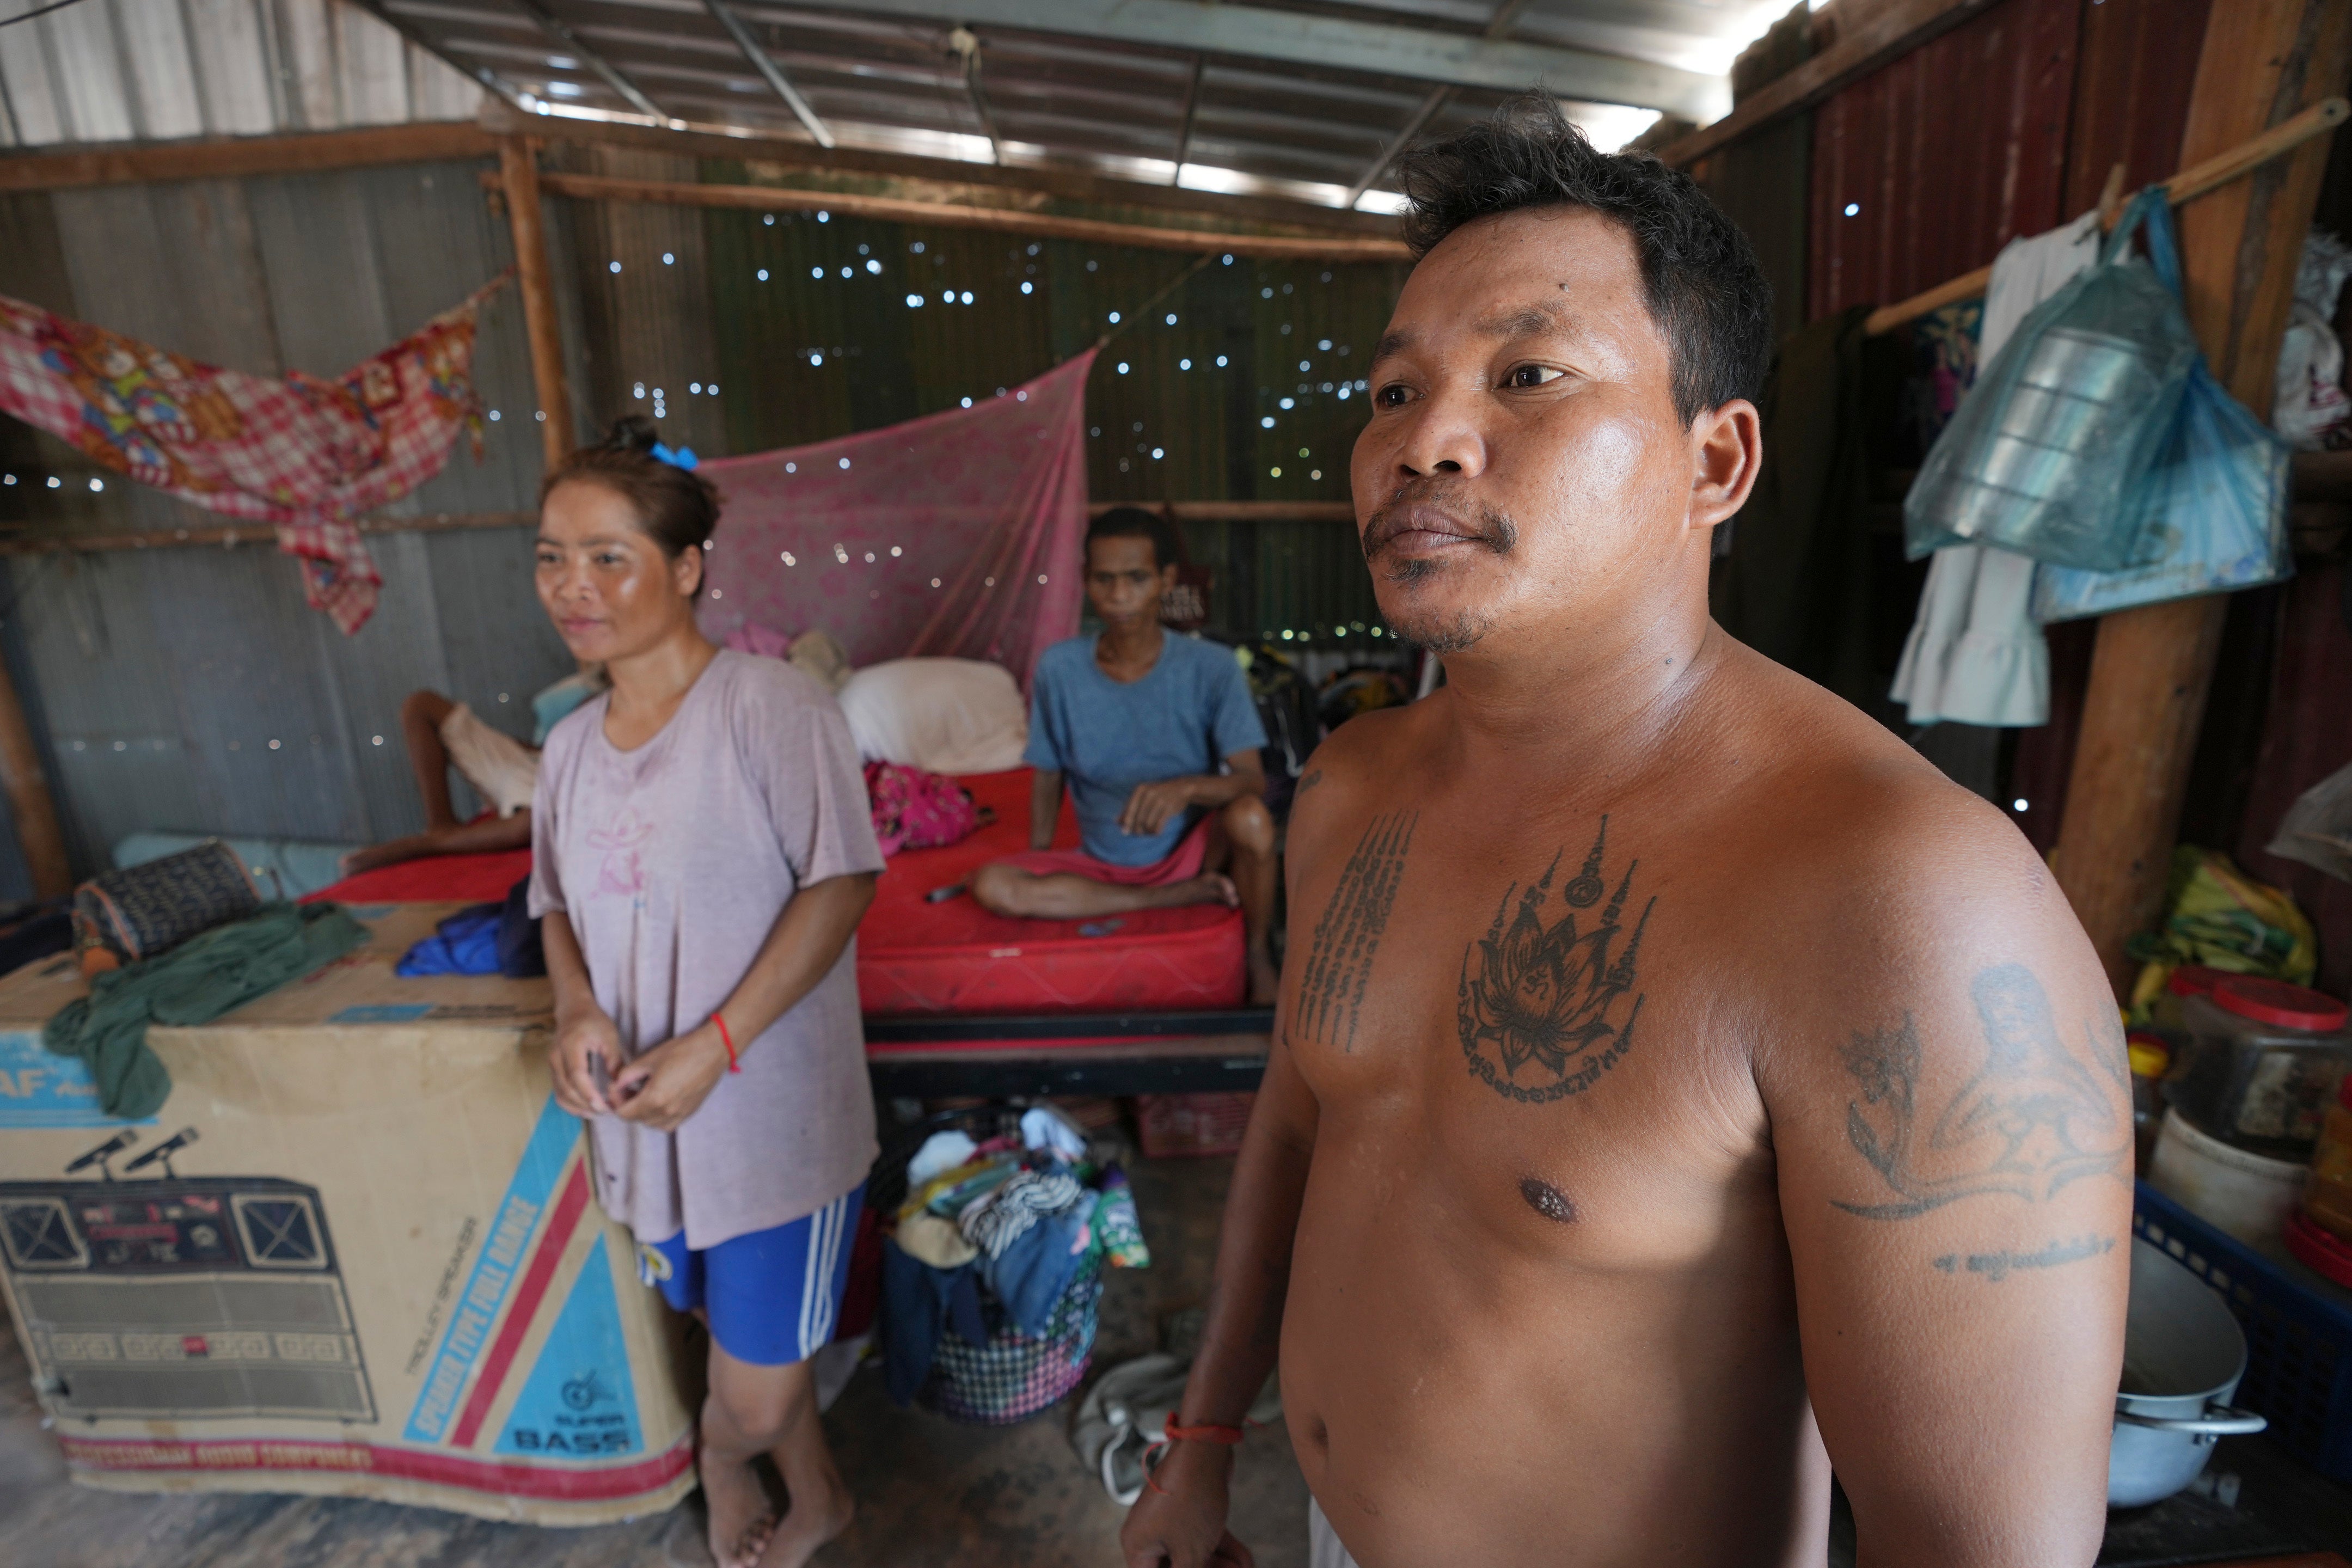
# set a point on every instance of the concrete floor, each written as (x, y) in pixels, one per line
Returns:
(929, 1491)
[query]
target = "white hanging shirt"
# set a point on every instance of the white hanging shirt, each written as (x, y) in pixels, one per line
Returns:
(1975, 655)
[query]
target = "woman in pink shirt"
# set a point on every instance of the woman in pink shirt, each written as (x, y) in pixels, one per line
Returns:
(702, 854)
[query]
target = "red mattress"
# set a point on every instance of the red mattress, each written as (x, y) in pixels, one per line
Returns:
(951, 957)
(476, 878)
(955, 957)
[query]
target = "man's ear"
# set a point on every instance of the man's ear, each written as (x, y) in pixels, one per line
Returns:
(1167, 578)
(1726, 449)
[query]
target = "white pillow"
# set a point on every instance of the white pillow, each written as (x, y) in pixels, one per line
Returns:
(944, 715)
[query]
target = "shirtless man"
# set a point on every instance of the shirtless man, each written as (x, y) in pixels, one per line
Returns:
(1678, 1087)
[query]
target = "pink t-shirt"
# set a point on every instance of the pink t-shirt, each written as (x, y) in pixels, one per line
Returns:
(673, 862)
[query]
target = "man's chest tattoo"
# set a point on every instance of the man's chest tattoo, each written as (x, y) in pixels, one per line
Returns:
(1542, 1006)
(1340, 961)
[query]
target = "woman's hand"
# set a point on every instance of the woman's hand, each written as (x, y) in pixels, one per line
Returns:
(583, 1039)
(668, 1084)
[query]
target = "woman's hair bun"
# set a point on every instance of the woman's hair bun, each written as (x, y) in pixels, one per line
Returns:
(678, 509)
(632, 433)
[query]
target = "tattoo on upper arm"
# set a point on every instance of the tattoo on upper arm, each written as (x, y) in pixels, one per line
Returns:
(2032, 1118)
(1542, 998)
(1996, 1267)
(1309, 781)
(1340, 962)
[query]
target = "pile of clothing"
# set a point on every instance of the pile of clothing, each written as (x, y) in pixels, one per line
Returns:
(1019, 1219)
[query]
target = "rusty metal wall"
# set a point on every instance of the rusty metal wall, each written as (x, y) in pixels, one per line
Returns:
(157, 680)
(2305, 734)
(1924, 169)
(2132, 79)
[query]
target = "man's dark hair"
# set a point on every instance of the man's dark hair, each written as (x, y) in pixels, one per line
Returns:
(1699, 275)
(1135, 522)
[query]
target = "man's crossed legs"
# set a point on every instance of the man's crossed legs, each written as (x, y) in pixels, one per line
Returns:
(1228, 858)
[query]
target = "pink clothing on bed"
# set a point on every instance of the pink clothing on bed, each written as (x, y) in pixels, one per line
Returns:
(1183, 862)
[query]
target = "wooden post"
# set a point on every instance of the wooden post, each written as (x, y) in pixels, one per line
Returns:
(519, 170)
(27, 788)
(2263, 60)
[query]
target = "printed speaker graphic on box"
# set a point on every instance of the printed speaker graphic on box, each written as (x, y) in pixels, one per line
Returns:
(182, 1299)
(367, 1261)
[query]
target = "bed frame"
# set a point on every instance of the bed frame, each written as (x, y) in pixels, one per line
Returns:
(1067, 1054)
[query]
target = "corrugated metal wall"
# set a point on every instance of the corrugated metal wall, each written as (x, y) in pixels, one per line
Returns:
(2136, 63)
(190, 689)
(1924, 169)
(161, 679)
(802, 326)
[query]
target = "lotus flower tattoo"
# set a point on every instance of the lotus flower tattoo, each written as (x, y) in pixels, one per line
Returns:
(1538, 1005)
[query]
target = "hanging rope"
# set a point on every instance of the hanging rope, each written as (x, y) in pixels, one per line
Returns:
(1131, 317)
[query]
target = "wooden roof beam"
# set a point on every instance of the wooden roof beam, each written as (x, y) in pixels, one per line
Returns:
(1335, 43)
(563, 31)
(769, 71)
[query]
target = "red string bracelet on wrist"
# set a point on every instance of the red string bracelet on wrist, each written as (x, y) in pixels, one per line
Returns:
(728, 1041)
(1207, 1432)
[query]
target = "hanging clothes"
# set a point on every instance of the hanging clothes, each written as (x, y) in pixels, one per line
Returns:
(305, 455)
(1795, 582)
(1976, 655)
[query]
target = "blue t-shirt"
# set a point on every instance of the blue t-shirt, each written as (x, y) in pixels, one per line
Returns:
(1105, 737)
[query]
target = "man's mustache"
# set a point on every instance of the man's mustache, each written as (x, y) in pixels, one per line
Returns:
(1408, 507)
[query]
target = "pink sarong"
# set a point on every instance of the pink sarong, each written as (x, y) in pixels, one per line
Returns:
(1182, 864)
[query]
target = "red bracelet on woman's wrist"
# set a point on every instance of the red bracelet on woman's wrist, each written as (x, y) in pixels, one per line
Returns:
(733, 1065)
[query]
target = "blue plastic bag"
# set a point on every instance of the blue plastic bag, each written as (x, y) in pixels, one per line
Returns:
(2064, 422)
(2211, 505)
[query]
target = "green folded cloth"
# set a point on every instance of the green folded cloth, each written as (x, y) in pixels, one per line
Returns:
(195, 983)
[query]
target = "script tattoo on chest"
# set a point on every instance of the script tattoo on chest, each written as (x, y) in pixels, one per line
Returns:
(2033, 1118)
(1542, 1005)
(1340, 961)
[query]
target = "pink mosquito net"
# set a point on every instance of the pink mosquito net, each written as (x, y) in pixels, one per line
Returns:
(958, 534)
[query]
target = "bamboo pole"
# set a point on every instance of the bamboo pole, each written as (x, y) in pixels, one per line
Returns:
(2183, 188)
(518, 175)
(2153, 665)
(29, 802)
(229, 157)
(1000, 220)
(230, 538)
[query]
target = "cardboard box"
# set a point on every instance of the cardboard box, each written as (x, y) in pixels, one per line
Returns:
(356, 1253)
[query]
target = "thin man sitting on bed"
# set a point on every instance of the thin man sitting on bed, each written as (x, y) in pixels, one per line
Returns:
(1134, 721)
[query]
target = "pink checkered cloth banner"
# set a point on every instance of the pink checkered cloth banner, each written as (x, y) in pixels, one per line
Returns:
(304, 455)
(961, 534)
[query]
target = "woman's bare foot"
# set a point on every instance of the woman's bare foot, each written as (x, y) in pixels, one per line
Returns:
(807, 1525)
(742, 1526)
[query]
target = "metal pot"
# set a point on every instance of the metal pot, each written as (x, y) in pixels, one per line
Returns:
(2183, 1355)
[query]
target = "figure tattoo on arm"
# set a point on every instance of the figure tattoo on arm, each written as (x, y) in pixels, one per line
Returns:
(1538, 1003)
(2032, 1118)
(1340, 962)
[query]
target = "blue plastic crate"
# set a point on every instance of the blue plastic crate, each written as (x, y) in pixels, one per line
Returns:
(2298, 1342)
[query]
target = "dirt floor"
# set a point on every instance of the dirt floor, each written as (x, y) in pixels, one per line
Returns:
(930, 1492)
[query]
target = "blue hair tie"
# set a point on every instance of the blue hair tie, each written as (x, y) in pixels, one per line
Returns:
(683, 457)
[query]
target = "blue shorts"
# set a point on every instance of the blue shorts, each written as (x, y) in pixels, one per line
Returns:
(773, 1296)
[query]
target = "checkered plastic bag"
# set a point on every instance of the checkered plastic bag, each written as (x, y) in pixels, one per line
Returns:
(1014, 1376)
